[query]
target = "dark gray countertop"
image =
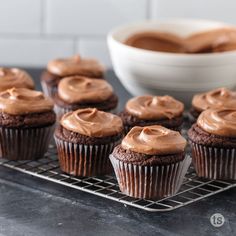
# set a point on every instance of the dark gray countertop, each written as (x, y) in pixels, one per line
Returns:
(31, 206)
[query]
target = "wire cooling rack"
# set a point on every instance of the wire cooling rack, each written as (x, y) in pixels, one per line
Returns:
(192, 190)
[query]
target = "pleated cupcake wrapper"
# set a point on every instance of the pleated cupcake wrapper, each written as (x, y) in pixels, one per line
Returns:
(25, 143)
(60, 111)
(150, 182)
(84, 160)
(48, 90)
(214, 162)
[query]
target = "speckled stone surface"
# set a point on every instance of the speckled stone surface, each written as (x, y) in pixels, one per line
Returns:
(30, 206)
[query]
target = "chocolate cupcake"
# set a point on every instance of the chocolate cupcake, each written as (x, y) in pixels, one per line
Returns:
(13, 77)
(153, 110)
(60, 68)
(26, 124)
(150, 162)
(212, 99)
(77, 92)
(84, 140)
(213, 143)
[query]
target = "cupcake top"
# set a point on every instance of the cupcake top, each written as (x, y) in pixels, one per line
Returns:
(214, 99)
(92, 122)
(78, 89)
(154, 140)
(154, 107)
(75, 65)
(219, 121)
(20, 101)
(13, 77)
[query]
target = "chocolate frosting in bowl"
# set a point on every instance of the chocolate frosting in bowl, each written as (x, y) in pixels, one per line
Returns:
(154, 107)
(156, 41)
(220, 121)
(75, 65)
(13, 77)
(78, 89)
(210, 41)
(214, 99)
(92, 122)
(20, 101)
(154, 140)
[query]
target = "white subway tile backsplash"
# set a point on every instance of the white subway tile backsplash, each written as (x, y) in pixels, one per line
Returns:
(35, 31)
(91, 17)
(207, 9)
(94, 48)
(33, 52)
(20, 16)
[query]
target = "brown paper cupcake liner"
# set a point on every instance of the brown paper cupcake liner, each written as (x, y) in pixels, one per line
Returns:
(25, 143)
(214, 162)
(60, 111)
(84, 160)
(150, 182)
(48, 90)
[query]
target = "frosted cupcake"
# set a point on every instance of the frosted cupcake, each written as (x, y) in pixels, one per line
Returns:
(153, 110)
(60, 68)
(221, 97)
(213, 143)
(84, 140)
(13, 77)
(77, 92)
(26, 124)
(150, 162)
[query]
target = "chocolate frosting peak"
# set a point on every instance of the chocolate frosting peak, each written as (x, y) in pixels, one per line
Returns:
(76, 89)
(92, 122)
(154, 107)
(220, 121)
(13, 77)
(214, 99)
(75, 66)
(154, 140)
(20, 101)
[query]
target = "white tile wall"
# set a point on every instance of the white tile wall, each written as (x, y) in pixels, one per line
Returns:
(207, 9)
(20, 16)
(33, 51)
(90, 17)
(94, 47)
(34, 31)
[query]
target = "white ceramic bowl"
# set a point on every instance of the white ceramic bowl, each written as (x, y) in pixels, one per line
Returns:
(180, 75)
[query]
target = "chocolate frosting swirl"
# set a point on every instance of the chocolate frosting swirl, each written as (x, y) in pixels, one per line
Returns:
(92, 122)
(13, 77)
(220, 121)
(154, 107)
(154, 140)
(214, 99)
(76, 89)
(75, 66)
(20, 101)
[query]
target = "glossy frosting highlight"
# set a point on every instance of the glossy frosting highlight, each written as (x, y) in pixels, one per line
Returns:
(154, 107)
(220, 121)
(13, 77)
(214, 99)
(154, 140)
(76, 89)
(75, 66)
(92, 122)
(20, 101)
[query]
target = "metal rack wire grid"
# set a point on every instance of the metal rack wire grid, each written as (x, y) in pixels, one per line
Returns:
(192, 190)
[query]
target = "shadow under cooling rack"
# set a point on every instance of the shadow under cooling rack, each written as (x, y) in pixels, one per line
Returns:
(192, 190)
